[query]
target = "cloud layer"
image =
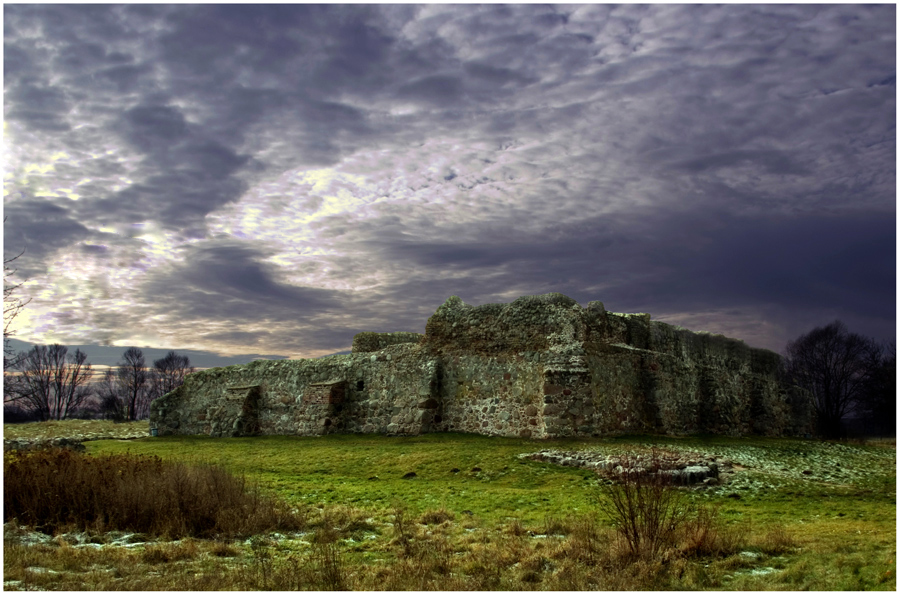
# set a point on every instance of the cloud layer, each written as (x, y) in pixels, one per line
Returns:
(241, 178)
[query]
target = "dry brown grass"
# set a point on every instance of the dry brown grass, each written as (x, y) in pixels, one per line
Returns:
(170, 552)
(438, 557)
(55, 490)
(436, 517)
(776, 540)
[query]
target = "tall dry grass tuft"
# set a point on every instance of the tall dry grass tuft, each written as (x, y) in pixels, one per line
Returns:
(403, 531)
(776, 540)
(436, 517)
(56, 489)
(704, 534)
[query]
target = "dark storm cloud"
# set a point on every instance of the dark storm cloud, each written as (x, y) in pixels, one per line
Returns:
(846, 262)
(674, 262)
(773, 162)
(154, 128)
(660, 158)
(230, 281)
(38, 106)
(495, 76)
(39, 228)
(438, 89)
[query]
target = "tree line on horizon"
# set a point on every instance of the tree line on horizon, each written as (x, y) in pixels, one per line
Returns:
(49, 383)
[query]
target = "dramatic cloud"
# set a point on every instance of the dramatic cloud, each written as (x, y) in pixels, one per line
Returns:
(276, 178)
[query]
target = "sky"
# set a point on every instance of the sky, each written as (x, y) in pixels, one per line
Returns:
(249, 181)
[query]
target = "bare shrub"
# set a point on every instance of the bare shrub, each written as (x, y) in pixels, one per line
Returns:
(644, 507)
(654, 518)
(403, 531)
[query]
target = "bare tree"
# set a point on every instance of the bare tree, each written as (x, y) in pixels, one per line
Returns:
(51, 382)
(111, 406)
(835, 366)
(12, 306)
(878, 403)
(169, 373)
(134, 384)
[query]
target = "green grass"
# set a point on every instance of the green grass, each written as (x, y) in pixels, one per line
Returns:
(833, 528)
(367, 471)
(342, 469)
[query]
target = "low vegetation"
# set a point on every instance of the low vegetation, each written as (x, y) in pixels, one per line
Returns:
(55, 490)
(458, 512)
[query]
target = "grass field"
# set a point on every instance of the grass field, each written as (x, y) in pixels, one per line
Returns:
(804, 514)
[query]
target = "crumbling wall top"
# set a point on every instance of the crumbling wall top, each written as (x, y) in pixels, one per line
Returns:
(529, 323)
(367, 342)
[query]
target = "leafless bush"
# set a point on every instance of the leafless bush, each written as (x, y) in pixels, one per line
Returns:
(644, 507)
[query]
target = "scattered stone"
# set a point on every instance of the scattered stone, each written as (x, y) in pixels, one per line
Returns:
(410, 475)
(679, 468)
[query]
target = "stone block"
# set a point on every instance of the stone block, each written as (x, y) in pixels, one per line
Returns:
(552, 389)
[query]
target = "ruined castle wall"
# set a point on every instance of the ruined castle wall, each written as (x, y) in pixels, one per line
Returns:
(678, 382)
(530, 323)
(367, 342)
(397, 395)
(497, 395)
(387, 391)
(513, 369)
(538, 367)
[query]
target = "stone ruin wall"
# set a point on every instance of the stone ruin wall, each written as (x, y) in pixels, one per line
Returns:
(539, 367)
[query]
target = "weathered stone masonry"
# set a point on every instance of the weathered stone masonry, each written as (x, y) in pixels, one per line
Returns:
(541, 366)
